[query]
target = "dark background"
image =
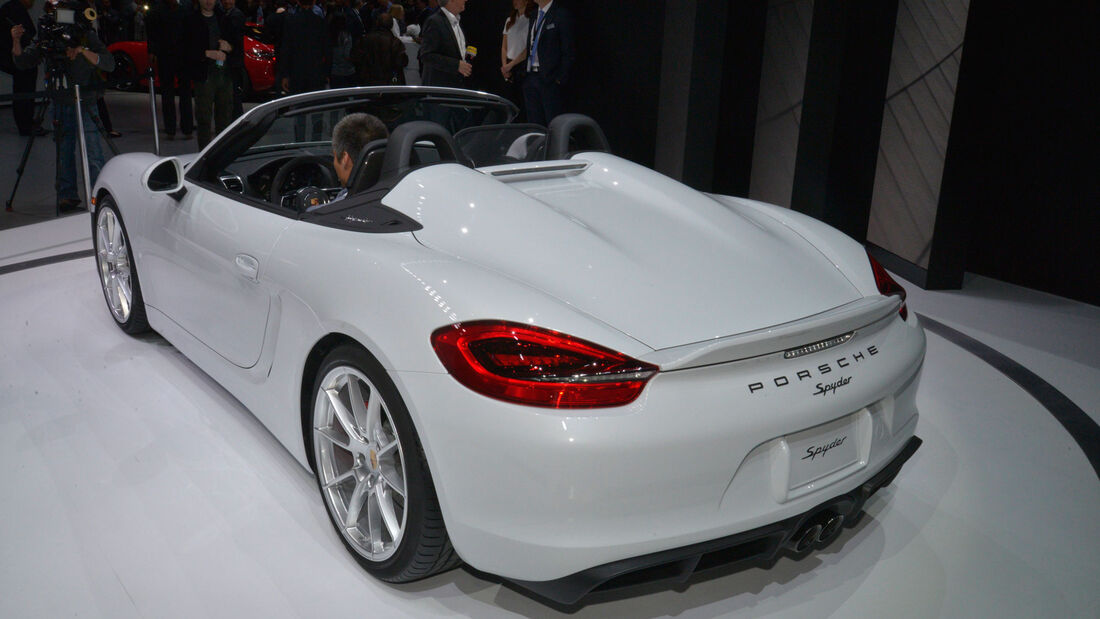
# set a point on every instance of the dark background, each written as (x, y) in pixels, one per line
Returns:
(618, 71)
(1022, 157)
(1020, 188)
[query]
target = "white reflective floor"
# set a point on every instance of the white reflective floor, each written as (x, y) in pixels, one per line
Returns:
(134, 486)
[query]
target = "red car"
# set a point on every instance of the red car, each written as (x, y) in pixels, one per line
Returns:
(132, 60)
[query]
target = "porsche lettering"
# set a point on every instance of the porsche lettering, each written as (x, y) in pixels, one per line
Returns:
(821, 371)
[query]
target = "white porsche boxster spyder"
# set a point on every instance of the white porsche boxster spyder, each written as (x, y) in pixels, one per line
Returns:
(510, 348)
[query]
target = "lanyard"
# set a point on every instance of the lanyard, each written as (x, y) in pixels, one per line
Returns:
(538, 32)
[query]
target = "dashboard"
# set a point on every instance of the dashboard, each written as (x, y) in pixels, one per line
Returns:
(254, 176)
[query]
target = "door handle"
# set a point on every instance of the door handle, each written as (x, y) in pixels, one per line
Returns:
(248, 266)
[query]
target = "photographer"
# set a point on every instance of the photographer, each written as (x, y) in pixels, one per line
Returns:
(81, 62)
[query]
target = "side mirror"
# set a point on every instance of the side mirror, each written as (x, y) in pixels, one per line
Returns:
(165, 176)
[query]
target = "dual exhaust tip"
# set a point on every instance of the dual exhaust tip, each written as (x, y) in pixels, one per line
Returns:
(818, 532)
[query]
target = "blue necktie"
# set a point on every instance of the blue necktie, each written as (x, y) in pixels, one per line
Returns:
(535, 43)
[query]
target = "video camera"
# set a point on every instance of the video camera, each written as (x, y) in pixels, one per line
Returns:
(65, 26)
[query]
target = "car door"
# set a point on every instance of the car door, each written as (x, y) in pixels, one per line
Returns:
(207, 254)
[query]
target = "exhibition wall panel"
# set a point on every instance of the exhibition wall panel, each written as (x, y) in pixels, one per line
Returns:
(924, 67)
(779, 109)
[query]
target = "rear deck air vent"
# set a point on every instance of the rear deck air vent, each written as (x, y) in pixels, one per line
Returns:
(535, 171)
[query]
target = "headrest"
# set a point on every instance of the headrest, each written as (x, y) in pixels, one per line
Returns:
(399, 149)
(368, 166)
(582, 130)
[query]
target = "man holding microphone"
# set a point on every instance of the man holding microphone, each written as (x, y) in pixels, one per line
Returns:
(443, 51)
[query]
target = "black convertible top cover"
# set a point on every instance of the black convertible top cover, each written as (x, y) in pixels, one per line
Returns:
(363, 213)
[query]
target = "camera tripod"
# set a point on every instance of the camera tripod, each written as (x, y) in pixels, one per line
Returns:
(57, 93)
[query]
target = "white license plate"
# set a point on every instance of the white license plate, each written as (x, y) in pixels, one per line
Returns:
(822, 450)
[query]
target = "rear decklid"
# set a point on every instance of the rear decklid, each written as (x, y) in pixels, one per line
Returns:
(651, 257)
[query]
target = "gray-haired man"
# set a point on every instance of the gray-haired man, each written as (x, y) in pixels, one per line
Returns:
(349, 136)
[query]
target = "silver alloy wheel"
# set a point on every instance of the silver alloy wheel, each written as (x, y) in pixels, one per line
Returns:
(113, 259)
(361, 465)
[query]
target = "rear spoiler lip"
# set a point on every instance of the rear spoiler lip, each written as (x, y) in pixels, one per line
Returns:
(856, 315)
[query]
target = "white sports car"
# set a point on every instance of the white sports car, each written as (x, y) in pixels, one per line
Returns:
(509, 348)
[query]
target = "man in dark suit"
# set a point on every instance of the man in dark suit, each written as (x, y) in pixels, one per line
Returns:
(207, 50)
(234, 60)
(23, 82)
(167, 33)
(303, 59)
(550, 56)
(443, 47)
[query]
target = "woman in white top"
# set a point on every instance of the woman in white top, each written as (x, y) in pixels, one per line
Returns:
(398, 13)
(513, 50)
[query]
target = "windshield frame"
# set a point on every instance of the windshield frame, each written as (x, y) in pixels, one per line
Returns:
(256, 122)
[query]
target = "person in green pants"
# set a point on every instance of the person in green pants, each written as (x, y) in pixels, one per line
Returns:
(208, 50)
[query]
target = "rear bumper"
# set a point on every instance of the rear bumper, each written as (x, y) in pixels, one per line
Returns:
(538, 495)
(758, 546)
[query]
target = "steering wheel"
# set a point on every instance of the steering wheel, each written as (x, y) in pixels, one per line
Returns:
(300, 162)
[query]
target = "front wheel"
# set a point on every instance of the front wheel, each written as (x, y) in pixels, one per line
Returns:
(117, 275)
(372, 473)
(247, 93)
(125, 73)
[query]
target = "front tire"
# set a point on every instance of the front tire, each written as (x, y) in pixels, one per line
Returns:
(247, 93)
(117, 274)
(125, 73)
(371, 471)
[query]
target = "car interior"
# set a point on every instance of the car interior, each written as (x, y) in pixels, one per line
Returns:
(283, 161)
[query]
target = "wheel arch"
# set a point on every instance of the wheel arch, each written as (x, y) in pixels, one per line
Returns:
(102, 193)
(316, 355)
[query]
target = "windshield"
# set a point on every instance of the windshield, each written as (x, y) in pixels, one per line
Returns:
(282, 147)
(311, 124)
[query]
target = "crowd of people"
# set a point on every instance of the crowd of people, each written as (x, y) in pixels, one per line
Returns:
(197, 49)
(198, 52)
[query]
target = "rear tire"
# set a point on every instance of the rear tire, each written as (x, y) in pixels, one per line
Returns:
(372, 473)
(117, 274)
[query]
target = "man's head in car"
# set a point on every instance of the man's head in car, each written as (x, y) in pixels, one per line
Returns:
(349, 136)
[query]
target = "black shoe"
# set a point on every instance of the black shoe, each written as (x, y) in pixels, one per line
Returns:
(114, 134)
(37, 131)
(169, 136)
(69, 205)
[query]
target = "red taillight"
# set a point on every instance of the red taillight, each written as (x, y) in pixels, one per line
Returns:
(887, 286)
(538, 367)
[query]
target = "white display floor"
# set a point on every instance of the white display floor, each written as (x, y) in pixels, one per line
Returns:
(132, 485)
